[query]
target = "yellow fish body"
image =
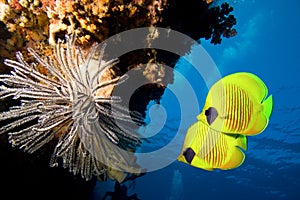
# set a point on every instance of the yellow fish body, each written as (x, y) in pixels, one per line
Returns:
(235, 107)
(209, 149)
(237, 104)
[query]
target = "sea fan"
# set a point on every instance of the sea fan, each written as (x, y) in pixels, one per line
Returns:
(65, 104)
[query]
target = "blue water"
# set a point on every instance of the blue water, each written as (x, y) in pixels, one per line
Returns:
(267, 45)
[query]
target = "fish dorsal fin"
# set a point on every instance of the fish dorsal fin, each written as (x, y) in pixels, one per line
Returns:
(249, 82)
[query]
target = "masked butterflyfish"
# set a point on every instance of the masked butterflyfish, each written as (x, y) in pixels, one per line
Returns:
(209, 149)
(238, 103)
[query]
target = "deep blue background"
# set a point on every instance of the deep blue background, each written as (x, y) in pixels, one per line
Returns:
(267, 45)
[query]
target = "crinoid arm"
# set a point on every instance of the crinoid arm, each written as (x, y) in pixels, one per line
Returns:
(93, 132)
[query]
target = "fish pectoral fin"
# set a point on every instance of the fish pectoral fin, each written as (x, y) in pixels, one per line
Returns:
(236, 159)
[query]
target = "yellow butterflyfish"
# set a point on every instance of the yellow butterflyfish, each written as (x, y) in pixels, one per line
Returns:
(209, 149)
(237, 104)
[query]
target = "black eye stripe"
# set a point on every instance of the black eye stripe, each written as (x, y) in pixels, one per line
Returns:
(189, 154)
(211, 114)
(207, 112)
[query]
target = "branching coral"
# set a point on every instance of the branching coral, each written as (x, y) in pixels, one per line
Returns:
(199, 20)
(223, 24)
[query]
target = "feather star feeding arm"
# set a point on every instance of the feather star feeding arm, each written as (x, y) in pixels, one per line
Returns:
(65, 105)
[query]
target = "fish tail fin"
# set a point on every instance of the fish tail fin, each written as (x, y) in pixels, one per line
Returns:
(263, 118)
(241, 142)
(236, 159)
(268, 106)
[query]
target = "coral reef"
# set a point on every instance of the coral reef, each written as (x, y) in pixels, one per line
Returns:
(39, 24)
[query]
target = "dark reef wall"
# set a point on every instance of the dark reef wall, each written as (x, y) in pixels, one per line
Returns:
(40, 23)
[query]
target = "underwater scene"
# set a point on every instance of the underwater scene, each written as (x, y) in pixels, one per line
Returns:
(149, 99)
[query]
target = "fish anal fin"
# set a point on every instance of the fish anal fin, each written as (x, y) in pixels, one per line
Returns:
(200, 163)
(236, 159)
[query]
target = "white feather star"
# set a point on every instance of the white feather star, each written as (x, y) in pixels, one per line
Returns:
(66, 99)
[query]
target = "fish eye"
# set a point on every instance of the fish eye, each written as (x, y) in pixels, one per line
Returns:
(211, 114)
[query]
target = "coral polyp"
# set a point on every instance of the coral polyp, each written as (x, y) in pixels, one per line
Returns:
(71, 104)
